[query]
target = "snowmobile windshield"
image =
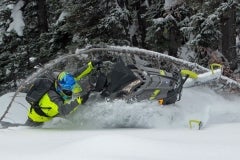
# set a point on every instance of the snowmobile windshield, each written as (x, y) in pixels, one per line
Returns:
(120, 76)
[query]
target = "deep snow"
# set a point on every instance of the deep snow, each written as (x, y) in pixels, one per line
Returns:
(116, 130)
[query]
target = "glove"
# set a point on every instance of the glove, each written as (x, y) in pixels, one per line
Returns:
(96, 63)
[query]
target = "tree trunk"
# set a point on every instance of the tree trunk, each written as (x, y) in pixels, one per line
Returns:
(173, 41)
(228, 27)
(142, 28)
(42, 16)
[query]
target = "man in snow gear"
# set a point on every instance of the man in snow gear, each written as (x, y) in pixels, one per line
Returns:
(58, 100)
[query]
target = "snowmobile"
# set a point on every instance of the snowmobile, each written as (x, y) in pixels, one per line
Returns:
(136, 82)
(135, 76)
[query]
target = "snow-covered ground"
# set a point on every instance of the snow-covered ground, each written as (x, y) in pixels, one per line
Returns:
(118, 130)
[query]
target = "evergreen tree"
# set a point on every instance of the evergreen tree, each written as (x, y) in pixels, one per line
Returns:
(55, 27)
(205, 29)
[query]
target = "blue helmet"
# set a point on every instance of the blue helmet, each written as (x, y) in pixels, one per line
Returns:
(66, 85)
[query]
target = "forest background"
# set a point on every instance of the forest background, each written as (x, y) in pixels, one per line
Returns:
(199, 31)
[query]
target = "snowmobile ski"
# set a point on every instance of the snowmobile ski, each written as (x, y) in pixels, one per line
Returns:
(4, 124)
(195, 124)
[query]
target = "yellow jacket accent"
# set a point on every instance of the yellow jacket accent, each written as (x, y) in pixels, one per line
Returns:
(47, 106)
(88, 69)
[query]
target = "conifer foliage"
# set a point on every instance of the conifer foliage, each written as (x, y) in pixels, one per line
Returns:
(54, 27)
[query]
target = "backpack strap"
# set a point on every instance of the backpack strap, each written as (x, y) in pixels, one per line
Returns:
(38, 110)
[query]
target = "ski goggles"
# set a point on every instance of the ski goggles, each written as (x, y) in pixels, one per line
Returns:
(67, 92)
